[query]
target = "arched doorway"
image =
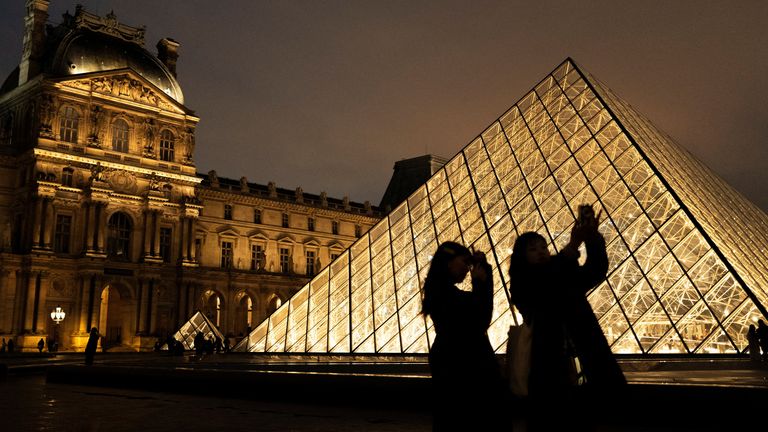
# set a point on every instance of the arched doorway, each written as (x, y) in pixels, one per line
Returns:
(273, 303)
(119, 229)
(115, 313)
(243, 314)
(213, 306)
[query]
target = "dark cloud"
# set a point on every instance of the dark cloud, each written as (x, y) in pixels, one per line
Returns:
(328, 95)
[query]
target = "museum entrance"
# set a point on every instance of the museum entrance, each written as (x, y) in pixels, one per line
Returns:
(115, 323)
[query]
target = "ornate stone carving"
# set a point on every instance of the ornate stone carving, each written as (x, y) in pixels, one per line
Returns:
(299, 195)
(97, 127)
(188, 138)
(98, 172)
(272, 188)
(213, 178)
(244, 185)
(323, 199)
(347, 207)
(107, 24)
(154, 182)
(47, 109)
(150, 132)
(122, 181)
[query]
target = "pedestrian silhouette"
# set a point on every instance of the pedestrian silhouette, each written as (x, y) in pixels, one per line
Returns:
(217, 345)
(90, 346)
(568, 349)
(3, 347)
(465, 375)
(754, 344)
(199, 344)
(226, 344)
(11, 346)
(41, 344)
(762, 336)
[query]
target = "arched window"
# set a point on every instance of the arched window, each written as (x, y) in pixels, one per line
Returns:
(120, 136)
(166, 145)
(273, 304)
(119, 236)
(70, 122)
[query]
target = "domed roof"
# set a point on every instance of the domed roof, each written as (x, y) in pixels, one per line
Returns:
(86, 51)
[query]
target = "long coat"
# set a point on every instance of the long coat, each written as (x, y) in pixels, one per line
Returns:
(552, 297)
(465, 373)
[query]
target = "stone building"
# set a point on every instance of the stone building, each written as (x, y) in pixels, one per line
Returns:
(103, 213)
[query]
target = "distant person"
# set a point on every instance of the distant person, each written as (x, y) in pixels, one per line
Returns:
(199, 342)
(11, 346)
(226, 344)
(41, 344)
(90, 346)
(550, 294)
(762, 336)
(217, 344)
(465, 374)
(754, 344)
(3, 347)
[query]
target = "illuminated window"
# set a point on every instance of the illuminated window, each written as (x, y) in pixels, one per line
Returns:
(66, 176)
(335, 227)
(285, 220)
(165, 244)
(257, 257)
(167, 145)
(310, 263)
(70, 121)
(285, 258)
(227, 212)
(119, 236)
(249, 315)
(120, 136)
(334, 256)
(227, 254)
(63, 232)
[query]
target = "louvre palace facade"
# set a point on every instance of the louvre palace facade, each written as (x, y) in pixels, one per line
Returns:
(102, 210)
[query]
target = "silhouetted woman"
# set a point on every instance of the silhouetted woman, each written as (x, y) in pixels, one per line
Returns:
(465, 374)
(550, 293)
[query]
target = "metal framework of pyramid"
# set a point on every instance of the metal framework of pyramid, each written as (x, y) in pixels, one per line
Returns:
(197, 323)
(687, 253)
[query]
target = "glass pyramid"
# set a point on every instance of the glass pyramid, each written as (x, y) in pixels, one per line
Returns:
(197, 323)
(687, 252)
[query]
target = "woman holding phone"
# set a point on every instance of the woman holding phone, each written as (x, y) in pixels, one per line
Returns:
(550, 293)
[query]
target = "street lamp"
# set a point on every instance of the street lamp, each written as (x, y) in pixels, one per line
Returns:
(57, 315)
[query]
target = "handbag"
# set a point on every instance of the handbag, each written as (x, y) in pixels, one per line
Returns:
(519, 358)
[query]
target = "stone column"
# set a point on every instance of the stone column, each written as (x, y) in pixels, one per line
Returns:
(19, 303)
(82, 304)
(31, 303)
(183, 239)
(102, 231)
(150, 318)
(94, 229)
(37, 234)
(145, 221)
(86, 226)
(191, 239)
(48, 225)
(139, 305)
(156, 234)
(43, 283)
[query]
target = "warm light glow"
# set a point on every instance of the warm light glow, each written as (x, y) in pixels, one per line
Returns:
(58, 315)
(668, 289)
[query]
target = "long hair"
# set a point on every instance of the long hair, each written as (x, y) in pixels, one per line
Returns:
(438, 273)
(519, 267)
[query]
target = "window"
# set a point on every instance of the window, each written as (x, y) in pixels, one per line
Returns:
(334, 256)
(335, 227)
(257, 257)
(358, 230)
(249, 315)
(66, 176)
(311, 224)
(62, 234)
(227, 212)
(120, 136)
(285, 259)
(227, 253)
(310, 263)
(166, 145)
(285, 220)
(70, 121)
(257, 216)
(165, 244)
(119, 240)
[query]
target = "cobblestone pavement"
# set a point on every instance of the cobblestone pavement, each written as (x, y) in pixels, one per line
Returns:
(27, 403)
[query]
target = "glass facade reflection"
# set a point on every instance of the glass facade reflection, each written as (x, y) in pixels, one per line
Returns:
(687, 252)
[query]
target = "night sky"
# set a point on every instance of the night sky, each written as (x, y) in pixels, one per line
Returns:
(327, 95)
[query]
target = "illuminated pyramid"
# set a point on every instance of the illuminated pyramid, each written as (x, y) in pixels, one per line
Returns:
(197, 323)
(687, 252)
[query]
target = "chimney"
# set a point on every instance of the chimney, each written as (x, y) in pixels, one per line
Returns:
(168, 53)
(34, 39)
